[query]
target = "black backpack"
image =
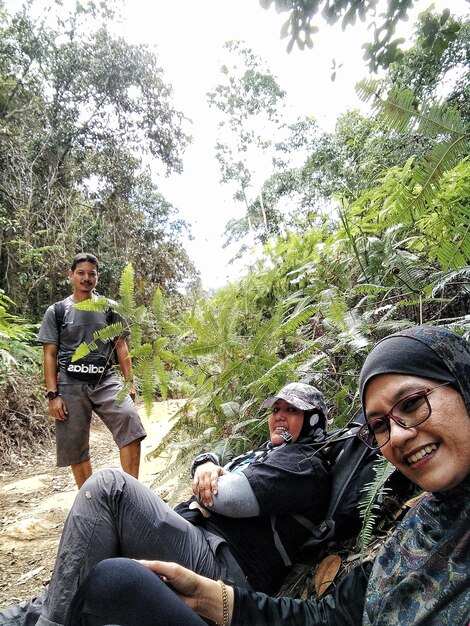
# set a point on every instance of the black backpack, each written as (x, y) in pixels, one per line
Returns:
(352, 468)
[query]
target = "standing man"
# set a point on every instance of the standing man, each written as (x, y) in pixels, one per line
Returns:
(76, 389)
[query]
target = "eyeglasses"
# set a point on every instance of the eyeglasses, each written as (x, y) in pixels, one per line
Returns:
(408, 412)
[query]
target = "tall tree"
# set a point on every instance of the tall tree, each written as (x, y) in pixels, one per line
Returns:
(80, 109)
(437, 65)
(250, 100)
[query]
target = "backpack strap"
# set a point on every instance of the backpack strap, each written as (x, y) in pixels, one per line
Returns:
(59, 310)
(320, 532)
(109, 320)
(278, 543)
(109, 316)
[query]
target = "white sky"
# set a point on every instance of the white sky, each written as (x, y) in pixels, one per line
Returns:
(189, 35)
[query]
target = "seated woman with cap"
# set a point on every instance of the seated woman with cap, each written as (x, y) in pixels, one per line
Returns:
(415, 391)
(239, 526)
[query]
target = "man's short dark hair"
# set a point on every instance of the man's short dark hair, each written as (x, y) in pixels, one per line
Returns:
(84, 257)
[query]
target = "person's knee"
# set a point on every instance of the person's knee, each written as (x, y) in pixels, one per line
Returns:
(105, 589)
(135, 443)
(106, 476)
(102, 484)
(114, 573)
(112, 580)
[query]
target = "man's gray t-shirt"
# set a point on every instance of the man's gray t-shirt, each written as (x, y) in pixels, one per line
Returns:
(78, 327)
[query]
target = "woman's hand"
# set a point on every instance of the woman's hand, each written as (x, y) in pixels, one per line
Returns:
(205, 481)
(201, 594)
(183, 581)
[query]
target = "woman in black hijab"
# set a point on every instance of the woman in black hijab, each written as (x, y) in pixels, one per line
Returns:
(422, 574)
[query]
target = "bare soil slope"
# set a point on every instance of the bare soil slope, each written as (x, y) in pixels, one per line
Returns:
(36, 497)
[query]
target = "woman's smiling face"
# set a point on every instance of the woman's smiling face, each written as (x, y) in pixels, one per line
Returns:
(284, 417)
(436, 453)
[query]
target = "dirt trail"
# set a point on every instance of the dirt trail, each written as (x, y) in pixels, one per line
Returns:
(35, 500)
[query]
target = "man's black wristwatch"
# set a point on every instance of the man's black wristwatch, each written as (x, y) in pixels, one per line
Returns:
(203, 458)
(50, 395)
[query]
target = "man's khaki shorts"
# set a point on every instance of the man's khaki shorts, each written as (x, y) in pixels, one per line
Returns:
(73, 435)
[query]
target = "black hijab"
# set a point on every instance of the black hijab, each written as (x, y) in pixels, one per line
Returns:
(428, 351)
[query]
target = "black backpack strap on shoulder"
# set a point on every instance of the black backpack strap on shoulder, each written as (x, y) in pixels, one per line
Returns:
(59, 310)
(109, 320)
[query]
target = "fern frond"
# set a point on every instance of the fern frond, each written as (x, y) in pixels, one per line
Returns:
(453, 254)
(441, 158)
(160, 344)
(141, 352)
(100, 305)
(174, 360)
(84, 350)
(369, 89)
(298, 319)
(170, 328)
(158, 305)
(400, 108)
(368, 507)
(138, 313)
(109, 333)
(126, 288)
(442, 279)
(265, 334)
(437, 119)
(162, 375)
(144, 371)
(199, 349)
(136, 335)
(287, 364)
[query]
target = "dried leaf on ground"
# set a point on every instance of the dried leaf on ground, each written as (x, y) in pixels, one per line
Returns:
(326, 573)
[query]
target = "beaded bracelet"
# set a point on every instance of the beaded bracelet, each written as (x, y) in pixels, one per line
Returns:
(225, 612)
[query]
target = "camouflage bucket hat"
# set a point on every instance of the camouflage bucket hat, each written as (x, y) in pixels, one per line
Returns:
(302, 396)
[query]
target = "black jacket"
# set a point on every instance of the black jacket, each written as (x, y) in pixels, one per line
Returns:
(343, 607)
(285, 480)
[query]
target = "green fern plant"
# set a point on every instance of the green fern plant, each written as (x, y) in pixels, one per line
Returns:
(369, 507)
(401, 109)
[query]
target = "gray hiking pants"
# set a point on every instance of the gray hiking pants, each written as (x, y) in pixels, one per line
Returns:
(116, 515)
